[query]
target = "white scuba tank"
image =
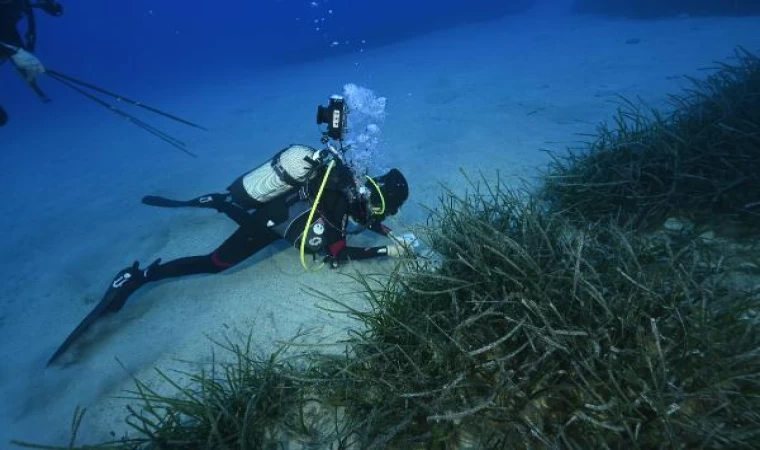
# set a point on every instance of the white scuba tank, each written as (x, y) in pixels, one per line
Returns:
(286, 171)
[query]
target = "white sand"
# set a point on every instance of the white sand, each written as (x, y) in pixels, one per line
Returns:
(481, 98)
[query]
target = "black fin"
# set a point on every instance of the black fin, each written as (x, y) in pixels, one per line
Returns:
(210, 201)
(113, 300)
(155, 200)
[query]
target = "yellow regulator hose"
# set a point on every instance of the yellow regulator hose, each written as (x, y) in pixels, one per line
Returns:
(380, 193)
(311, 217)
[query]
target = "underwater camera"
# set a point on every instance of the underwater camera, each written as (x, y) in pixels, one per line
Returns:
(334, 116)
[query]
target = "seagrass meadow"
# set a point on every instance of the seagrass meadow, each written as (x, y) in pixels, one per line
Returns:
(700, 161)
(614, 306)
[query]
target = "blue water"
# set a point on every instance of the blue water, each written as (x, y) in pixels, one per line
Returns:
(481, 85)
(181, 39)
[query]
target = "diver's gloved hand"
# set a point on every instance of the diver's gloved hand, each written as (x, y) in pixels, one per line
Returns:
(396, 250)
(409, 245)
(28, 65)
(402, 245)
(399, 249)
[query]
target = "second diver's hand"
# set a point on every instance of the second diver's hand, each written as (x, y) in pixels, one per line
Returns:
(29, 66)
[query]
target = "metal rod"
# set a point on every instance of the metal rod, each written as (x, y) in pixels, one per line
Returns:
(130, 118)
(121, 98)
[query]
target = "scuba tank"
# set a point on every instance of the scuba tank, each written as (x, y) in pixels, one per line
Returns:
(287, 171)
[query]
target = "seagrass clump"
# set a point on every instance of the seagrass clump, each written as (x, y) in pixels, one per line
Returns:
(244, 402)
(247, 402)
(536, 334)
(701, 161)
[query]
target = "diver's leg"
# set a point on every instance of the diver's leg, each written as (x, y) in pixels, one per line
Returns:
(211, 201)
(3, 117)
(220, 202)
(243, 243)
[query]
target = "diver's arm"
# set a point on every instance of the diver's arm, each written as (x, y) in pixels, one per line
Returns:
(335, 236)
(348, 253)
(339, 251)
(334, 211)
(379, 228)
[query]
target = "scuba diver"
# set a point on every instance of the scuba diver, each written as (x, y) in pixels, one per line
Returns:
(20, 50)
(306, 196)
(343, 199)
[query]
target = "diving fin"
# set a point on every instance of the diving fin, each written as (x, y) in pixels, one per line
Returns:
(126, 282)
(204, 201)
(155, 200)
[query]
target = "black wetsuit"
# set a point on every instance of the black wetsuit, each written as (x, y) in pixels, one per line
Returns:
(255, 233)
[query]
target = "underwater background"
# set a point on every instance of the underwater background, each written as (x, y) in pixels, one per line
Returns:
(474, 86)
